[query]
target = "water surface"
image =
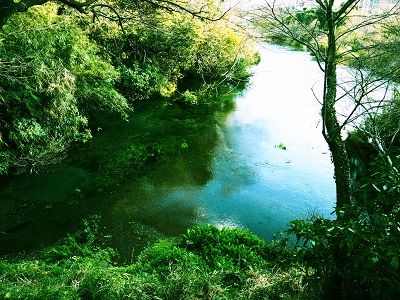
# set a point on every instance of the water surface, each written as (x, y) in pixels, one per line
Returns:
(228, 171)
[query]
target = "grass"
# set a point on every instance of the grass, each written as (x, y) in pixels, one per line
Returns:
(234, 265)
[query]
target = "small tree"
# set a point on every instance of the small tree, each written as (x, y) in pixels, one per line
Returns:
(326, 36)
(331, 34)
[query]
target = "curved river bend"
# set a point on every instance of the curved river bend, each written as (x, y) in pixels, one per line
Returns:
(248, 180)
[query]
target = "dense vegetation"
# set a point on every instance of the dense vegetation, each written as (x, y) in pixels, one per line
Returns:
(371, 45)
(204, 263)
(356, 255)
(59, 67)
(212, 263)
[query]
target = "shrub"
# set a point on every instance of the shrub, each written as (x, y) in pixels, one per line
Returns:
(170, 269)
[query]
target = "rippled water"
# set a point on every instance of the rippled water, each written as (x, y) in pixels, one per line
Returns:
(254, 184)
(232, 174)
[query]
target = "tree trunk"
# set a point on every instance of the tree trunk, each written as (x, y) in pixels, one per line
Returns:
(332, 128)
(339, 156)
(332, 135)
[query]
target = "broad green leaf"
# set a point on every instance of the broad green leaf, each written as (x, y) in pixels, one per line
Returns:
(395, 263)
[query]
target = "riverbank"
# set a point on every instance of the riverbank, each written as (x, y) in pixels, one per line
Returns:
(173, 166)
(205, 263)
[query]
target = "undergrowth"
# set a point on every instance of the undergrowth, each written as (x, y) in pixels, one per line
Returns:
(204, 263)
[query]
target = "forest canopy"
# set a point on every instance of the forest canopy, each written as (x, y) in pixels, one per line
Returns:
(59, 66)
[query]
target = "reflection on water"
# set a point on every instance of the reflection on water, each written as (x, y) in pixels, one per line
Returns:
(254, 184)
(232, 174)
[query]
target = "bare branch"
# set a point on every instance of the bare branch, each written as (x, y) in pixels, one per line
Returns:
(79, 6)
(172, 6)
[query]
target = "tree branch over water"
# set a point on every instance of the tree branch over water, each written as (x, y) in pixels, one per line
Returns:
(329, 32)
(10, 7)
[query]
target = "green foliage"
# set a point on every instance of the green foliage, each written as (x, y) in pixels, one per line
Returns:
(384, 124)
(58, 69)
(306, 25)
(228, 250)
(229, 61)
(153, 61)
(362, 245)
(221, 262)
(169, 269)
(375, 48)
(307, 16)
(232, 249)
(88, 242)
(188, 98)
(381, 128)
(54, 75)
(139, 82)
(65, 270)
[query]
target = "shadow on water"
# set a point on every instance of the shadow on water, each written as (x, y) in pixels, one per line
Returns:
(172, 166)
(122, 175)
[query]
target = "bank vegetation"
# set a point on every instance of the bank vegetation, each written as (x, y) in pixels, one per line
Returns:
(60, 67)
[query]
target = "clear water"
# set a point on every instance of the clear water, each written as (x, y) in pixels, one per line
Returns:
(233, 174)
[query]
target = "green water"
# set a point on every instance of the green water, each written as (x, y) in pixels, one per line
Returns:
(172, 166)
(162, 143)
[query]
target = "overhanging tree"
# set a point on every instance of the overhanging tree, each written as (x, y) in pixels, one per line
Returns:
(58, 67)
(200, 9)
(332, 35)
(325, 36)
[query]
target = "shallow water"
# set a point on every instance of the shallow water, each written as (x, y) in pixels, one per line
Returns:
(231, 174)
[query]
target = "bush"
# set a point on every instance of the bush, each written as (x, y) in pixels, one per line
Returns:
(230, 267)
(231, 253)
(51, 77)
(358, 252)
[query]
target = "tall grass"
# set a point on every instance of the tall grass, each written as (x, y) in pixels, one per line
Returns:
(205, 263)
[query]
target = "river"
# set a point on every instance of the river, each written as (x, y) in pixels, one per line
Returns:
(232, 173)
